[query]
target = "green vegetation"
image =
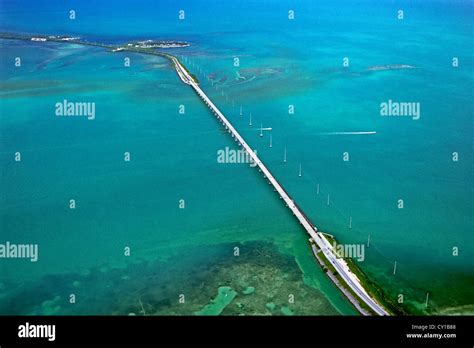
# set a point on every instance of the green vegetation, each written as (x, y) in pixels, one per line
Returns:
(194, 77)
(329, 237)
(342, 283)
(372, 289)
(59, 39)
(375, 291)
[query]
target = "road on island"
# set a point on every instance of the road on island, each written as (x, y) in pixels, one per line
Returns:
(351, 280)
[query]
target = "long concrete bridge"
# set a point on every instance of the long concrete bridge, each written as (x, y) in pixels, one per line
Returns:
(340, 265)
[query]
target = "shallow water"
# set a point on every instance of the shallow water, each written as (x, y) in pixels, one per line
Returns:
(135, 204)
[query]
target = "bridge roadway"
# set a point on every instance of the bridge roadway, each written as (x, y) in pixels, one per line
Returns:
(340, 265)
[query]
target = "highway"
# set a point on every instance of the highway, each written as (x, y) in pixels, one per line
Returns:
(339, 264)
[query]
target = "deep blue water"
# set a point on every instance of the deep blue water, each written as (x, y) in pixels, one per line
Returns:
(285, 62)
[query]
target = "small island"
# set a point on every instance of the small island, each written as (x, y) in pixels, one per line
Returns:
(158, 44)
(141, 46)
(365, 296)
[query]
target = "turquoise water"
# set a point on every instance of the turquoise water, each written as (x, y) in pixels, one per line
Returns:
(284, 62)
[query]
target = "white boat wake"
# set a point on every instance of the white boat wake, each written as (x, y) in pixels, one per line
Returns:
(347, 133)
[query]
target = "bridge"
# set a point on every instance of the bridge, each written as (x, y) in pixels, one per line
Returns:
(323, 244)
(340, 265)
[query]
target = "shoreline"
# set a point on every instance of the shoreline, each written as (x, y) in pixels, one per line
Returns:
(112, 48)
(354, 272)
(373, 290)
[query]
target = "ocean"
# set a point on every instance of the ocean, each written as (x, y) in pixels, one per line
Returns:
(180, 213)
